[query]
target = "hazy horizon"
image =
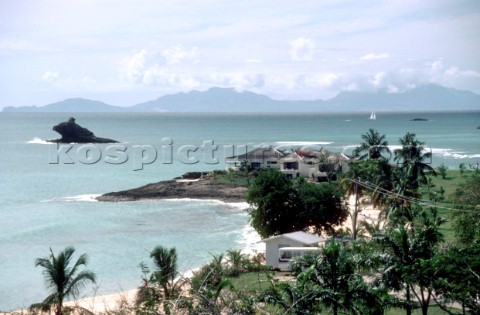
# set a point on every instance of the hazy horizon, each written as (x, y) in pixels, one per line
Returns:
(129, 52)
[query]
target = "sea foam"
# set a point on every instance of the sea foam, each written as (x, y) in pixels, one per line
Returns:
(38, 141)
(87, 198)
(302, 143)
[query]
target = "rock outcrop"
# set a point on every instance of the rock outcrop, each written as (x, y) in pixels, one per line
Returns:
(71, 132)
(206, 187)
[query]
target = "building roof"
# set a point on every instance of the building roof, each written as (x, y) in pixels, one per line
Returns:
(258, 154)
(299, 236)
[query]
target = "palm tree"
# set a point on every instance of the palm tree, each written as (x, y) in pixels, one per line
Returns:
(408, 258)
(63, 280)
(235, 257)
(399, 244)
(338, 282)
(413, 160)
(373, 146)
(167, 269)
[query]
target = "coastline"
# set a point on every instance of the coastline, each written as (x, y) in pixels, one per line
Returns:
(189, 186)
(107, 303)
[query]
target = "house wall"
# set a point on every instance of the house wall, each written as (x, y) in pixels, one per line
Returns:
(264, 163)
(272, 246)
(306, 170)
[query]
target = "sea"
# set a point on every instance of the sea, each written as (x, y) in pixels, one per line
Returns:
(47, 190)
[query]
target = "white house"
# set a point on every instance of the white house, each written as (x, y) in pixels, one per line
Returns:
(318, 166)
(281, 248)
(259, 158)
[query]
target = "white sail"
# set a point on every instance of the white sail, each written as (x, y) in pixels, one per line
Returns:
(373, 116)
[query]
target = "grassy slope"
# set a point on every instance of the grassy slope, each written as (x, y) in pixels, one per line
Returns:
(258, 281)
(449, 184)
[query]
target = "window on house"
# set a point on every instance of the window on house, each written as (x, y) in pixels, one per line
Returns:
(285, 255)
(291, 166)
(255, 165)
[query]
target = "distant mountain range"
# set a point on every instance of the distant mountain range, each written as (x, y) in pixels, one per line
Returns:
(424, 98)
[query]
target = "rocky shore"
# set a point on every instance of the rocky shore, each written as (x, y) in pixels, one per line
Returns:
(190, 185)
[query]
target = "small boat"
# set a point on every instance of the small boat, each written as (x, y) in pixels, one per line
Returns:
(373, 116)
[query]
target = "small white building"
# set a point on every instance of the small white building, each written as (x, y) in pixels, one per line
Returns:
(280, 249)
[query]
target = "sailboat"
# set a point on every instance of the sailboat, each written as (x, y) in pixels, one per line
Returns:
(373, 116)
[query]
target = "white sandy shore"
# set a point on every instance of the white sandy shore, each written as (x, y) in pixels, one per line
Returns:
(106, 303)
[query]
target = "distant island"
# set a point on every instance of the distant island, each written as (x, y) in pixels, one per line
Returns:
(71, 132)
(429, 97)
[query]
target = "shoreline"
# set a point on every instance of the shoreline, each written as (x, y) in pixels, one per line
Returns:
(106, 303)
(189, 186)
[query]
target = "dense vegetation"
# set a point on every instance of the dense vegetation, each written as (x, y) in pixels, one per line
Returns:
(280, 205)
(405, 262)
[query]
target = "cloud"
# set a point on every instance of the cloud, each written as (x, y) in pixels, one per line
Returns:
(178, 54)
(238, 80)
(155, 67)
(373, 56)
(456, 72)
(50, 76)
(135, 66)
(302, 49)
(156, 75)
(180, 69)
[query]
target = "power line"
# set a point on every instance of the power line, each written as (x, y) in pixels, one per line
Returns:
(396, 195)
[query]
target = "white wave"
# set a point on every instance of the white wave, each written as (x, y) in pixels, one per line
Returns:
(461, 155)
(454, 154)
(238, 205)
(348, 148)
(38, 141)
(187, 200)
(302, 143)
(251, 241)
(82, 198)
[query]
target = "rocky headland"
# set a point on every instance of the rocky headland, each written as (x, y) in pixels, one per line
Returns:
(190, 185)
(71, 132)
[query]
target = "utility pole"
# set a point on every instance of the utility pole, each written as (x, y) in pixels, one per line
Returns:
(355, 213)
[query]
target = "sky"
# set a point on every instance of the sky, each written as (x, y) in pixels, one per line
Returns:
(127, 52)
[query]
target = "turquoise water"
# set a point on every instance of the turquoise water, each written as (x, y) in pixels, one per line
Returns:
(46, 204)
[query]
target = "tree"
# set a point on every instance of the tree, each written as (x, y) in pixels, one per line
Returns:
(442, 170)
(235, 258)
(466, 222)
(164, 276)
(413, 161)
(207, 285)
(408, 259)
(462, 168)
(281, 206)
(274, 203)
(457, 278)
(375, 177)
(64, 280)
(165, 261)
(321, 206)
(374, 145)
(334, 280)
